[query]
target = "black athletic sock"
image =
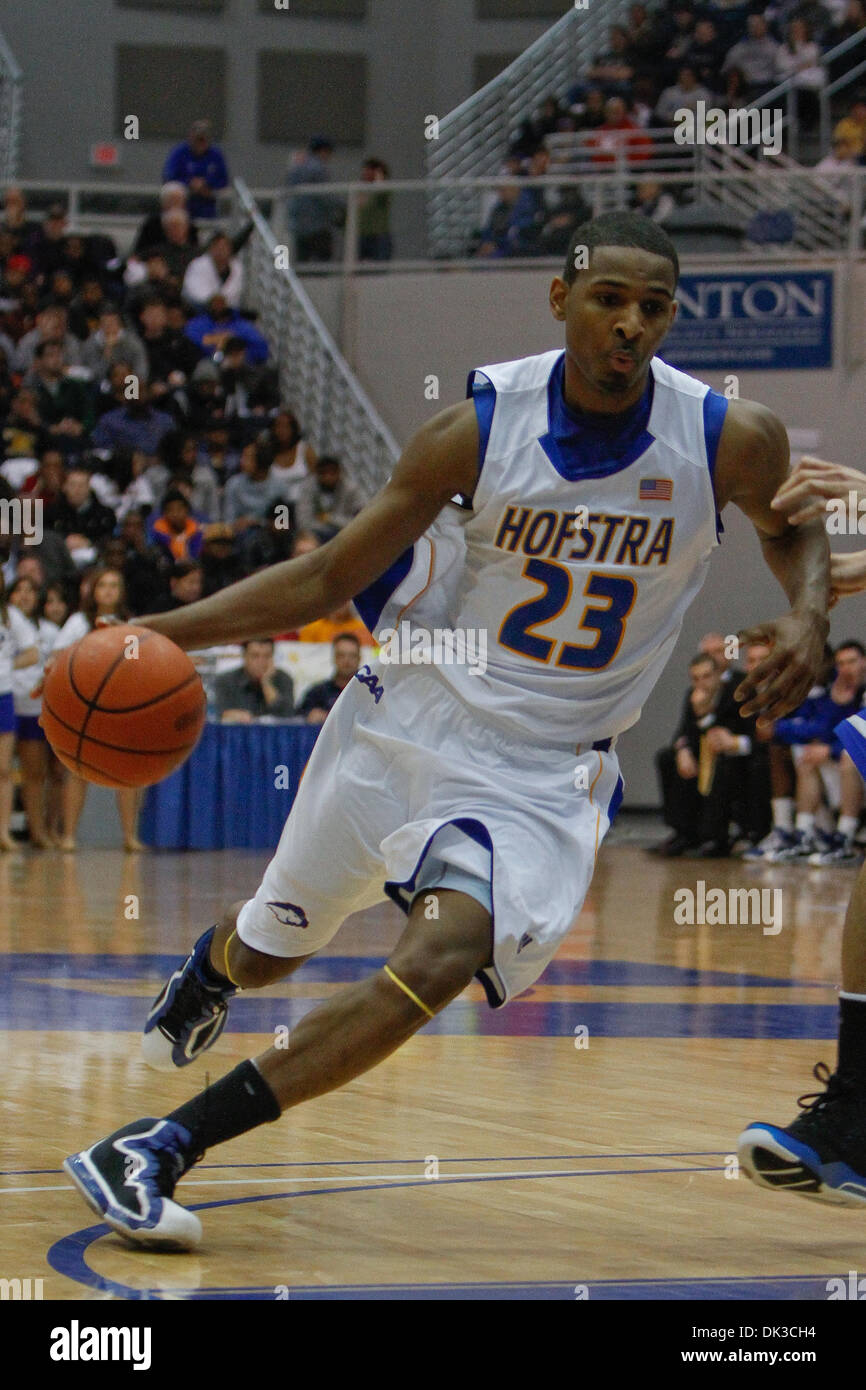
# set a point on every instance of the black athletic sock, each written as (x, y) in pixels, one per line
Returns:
(852, 1041)
(241, 1101)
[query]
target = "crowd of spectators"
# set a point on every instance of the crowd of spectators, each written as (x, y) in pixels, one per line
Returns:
(777, 793)
(664, 60)
(140, 409)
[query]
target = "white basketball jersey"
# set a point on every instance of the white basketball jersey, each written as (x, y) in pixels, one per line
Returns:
(587, 540)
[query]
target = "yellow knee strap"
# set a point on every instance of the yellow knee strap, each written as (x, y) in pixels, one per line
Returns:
(406, 990)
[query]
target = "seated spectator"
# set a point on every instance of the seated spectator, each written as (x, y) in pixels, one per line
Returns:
(46, 484)
(81, 518)
(65, 405)
(179, 463)
(320, 699)
(217, 271)
(530, 212)
(22, 228)
(650, 199)
(800, 59)
(293, 459)
(679, 40)
(618, 131)
(186, 585)
(152, 230)
(343, 620)
(123, 484)
(375, 242)
(150, 278)
(113, 391)
(854, 22)
(223, 560)
(201, 167)
(249, 390)
(568, 212)
(590, 110)
(251, 493)
(52, 324)
(546, 122)
(493, 239)
(272, 542)
(86, 308)
(112, 342)
(175, 529)
(613, 69)
(179, 249)
(684, 95)
(809, 731)
(834, 172)
(171, 356)
(135, 425)
(215, 448)
(145, 567)
(757, 56)
(47, 245)
(852, 127)
(716, 770)
(705, 54)
(61, 289)
(256, 689)
(211, 329)
(327, 501)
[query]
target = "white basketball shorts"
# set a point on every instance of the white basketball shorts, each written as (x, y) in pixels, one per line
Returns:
(406, 783)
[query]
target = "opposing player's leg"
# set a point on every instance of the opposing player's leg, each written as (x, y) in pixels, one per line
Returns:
(823, 1152)
(129, 1178)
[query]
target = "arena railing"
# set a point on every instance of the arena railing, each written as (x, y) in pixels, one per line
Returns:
(472, 138)
(11, 97)
(723, 181)
(339, 418)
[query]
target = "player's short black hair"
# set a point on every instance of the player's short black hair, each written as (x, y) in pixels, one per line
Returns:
(620, 229)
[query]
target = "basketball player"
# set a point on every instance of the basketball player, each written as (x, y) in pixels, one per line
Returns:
(821, 1153)
(588, 487)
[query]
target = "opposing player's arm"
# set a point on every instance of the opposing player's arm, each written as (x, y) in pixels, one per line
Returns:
(440, 461)
(751, 465)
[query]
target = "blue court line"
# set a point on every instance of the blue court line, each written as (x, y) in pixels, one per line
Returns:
(66, 1255)
(381, 1162)
(335, 969)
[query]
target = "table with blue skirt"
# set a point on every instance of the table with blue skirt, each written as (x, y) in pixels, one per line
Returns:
(233, 792)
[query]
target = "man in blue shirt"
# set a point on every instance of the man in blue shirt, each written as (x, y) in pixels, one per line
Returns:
(214, 326)
(201, 166)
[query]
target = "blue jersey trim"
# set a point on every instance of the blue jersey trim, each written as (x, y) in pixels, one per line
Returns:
(590, 445)
(372, 600)
(615, 800)
(483, 395)
(715, 410)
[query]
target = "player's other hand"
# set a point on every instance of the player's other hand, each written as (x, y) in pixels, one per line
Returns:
(783, 679)
(804, 495)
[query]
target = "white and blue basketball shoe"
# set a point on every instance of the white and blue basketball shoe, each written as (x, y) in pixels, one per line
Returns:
(188, 1014)
(822, 1154)
(129, 1179)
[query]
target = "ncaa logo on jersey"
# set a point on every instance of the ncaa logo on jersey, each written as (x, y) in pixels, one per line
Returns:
(289, 914)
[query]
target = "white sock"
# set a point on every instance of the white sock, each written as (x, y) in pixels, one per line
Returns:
(847, 826)
(783, 812)
(805, 821)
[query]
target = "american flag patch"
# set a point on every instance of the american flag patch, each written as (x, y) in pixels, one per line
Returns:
(655, 490)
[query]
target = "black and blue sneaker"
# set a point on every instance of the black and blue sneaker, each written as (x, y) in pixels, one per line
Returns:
(188, 1014)
(822, 1154)
(129, 1178)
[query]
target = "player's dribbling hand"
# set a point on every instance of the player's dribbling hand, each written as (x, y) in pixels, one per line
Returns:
(804, 495)
(781, 682)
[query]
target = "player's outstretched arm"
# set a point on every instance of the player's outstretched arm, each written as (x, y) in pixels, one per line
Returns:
(751, 466)
(440, 461)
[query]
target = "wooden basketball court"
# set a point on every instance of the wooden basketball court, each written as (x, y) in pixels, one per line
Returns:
(576, 1143)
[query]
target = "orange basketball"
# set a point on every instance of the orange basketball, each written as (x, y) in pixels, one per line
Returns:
(123, 707)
